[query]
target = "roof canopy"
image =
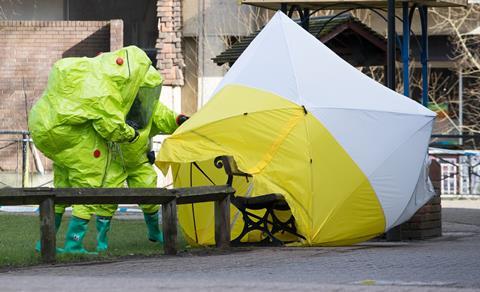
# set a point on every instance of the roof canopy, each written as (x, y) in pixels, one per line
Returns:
(346, 35)
(342, 4)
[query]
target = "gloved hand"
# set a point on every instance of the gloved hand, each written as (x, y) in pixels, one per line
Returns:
(135, 126)
(181, 118)
(134, 137)
(151, 157)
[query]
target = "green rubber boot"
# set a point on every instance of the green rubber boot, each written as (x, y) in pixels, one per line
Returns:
(75, 234)
(103, 226)
(154, 233)
(58, 222)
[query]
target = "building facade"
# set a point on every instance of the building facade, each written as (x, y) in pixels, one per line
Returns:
(180, 36)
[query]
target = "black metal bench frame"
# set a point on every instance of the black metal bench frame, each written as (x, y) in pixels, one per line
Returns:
(269, 202)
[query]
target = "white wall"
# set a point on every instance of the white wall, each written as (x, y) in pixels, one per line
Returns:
(171, 97)
(210, 22)
(221, 17)
(210, 74)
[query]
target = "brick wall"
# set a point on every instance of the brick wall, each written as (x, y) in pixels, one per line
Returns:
(170, 59)
(27, 51)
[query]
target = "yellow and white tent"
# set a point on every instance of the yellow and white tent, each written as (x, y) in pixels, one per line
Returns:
(345, 151)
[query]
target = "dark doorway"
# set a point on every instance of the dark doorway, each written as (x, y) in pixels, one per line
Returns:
(139, 18)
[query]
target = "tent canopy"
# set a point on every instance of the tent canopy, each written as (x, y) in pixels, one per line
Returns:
(345, 151)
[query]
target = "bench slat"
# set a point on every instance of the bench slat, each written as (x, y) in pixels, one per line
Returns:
(23, 200)
(115, 199)
(203, 190)
(27, 196)
(188, 199)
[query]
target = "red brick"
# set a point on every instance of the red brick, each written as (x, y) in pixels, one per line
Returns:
(170, 62)
(27, 51)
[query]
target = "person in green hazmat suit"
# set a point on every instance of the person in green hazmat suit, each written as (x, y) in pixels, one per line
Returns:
(137, 160)
(81, 117)
(133, 163)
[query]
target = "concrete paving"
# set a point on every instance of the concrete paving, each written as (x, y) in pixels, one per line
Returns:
(449, 263)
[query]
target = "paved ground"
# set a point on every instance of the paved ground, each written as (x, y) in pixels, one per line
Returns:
(449, 263)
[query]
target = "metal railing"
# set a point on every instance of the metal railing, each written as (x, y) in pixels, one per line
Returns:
(460, 173)
(24, 145)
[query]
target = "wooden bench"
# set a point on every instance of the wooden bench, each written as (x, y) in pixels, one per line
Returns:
(168, 198)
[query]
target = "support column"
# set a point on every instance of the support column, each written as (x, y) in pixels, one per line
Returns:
(393, 234)
(306, 19)
(424, 57)
(406, 49)
(391, 45)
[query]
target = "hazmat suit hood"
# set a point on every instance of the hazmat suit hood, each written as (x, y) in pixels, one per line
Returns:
(88, 92)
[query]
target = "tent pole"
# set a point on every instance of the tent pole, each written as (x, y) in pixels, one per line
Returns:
(394, 234)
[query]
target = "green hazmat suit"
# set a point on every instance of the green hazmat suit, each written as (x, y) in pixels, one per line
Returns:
(129, 163)
(132, 158)
(83, 108)
(139, 173)
(81, 116)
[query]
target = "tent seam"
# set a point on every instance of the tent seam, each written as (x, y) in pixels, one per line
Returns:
(268, 156)
(389, 157)
(173, 136)
(334, 210)
(237, 64)
(367, 178)
(403, 142)
(195, 131)
(371, 110)
(399, 145)
(301, 103)
(291, 61)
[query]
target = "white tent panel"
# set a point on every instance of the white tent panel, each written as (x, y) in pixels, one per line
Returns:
(423, 193)
(265, 64)
(326, 80)
(369, 137)
(395, 180)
